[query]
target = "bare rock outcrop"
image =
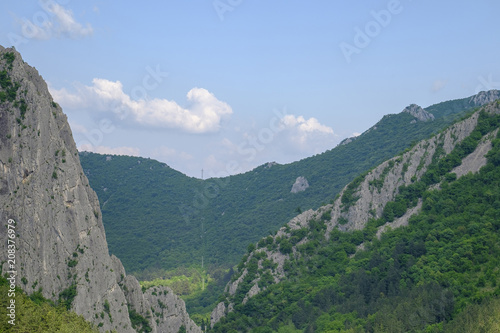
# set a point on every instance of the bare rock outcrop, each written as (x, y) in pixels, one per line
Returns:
(381, 184)
(419, 113)
(476, 160)
(170, 311)
(300, 185)
(401, 221)
(484, 97)
(252, 292)
(217, 314)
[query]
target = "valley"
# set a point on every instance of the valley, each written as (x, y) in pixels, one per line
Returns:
(214, 221)
(189, 218)
(395, 230)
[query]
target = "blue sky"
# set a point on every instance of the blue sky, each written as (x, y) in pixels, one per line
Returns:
(227, 85)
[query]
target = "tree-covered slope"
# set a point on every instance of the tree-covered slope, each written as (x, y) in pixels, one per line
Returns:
(36, 314)
(415, 247)
(157, 218)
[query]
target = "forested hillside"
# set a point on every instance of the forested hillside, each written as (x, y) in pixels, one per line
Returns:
(158, 219)
(436, 270)
(35, 314)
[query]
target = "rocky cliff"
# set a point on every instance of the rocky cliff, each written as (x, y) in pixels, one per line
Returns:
(364, 200)
(61, 247)
(484, 97)
(419, 113)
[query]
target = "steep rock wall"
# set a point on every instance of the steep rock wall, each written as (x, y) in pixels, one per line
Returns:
(61, 247)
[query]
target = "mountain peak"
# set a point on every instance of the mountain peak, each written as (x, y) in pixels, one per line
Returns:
(418, 112)
(485, 97)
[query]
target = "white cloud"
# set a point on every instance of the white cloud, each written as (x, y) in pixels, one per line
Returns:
(438, 85)
(203, 113)
(355, 134)
(59, 23)
(301, 130)
(305, 126)
(130, 151)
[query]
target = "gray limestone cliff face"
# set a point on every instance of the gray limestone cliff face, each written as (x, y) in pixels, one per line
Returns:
(477, 159)
(300, 185)
(217, 314)
(419, 113)
(251, 293)
(61, 243)
(484, 97)
(398, 171)
(170, 311)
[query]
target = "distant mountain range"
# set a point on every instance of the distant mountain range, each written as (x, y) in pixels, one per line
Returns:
(158, 218)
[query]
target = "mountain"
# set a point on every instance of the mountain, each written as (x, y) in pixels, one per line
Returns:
(53, 240)
(158, 219)
(412, 245)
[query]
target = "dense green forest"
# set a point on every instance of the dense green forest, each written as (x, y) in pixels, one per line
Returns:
(441, 273)
(158, 219)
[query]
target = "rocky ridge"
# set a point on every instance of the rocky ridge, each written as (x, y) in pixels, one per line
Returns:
(371, 191)
(61, 247)
(484, 97)
(419, 113)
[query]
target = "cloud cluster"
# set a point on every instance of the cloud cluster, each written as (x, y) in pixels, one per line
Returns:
(306, 126)
(57, 21)
(303, 131)
(203, 112)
